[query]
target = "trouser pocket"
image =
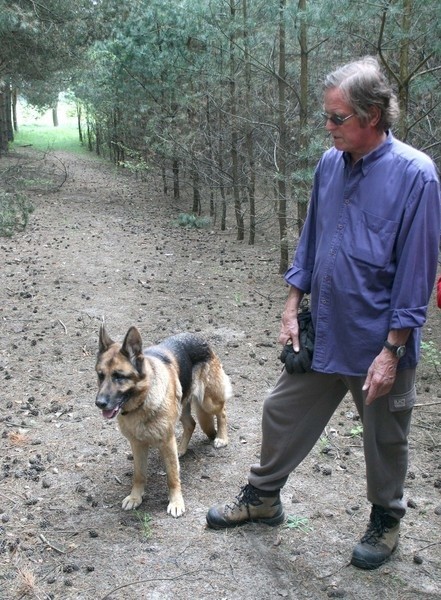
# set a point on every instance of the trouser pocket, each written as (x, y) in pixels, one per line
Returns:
(402, 402)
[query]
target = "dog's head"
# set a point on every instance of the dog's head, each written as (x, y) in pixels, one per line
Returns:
(122, 378)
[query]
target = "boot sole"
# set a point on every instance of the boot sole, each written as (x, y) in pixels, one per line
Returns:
(367, 566)
(361, 563)
(272, 522)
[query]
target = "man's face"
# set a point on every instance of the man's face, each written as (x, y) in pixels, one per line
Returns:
(350, 136)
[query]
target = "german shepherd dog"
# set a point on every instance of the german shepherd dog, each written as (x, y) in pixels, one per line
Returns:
(149, 390)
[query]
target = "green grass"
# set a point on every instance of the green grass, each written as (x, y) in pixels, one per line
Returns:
(48, 137)
(300, 523)
(145, 521)
(357, 431)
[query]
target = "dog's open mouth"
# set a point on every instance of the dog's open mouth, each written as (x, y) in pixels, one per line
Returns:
(111, 414)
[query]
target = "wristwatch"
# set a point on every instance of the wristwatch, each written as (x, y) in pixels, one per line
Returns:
(398, 351)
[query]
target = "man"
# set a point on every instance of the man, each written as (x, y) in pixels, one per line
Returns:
(367, 255)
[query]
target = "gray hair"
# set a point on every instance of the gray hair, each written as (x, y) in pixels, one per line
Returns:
(364, 85)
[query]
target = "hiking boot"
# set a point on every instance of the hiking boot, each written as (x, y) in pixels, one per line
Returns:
(379, 541)
(250, 506)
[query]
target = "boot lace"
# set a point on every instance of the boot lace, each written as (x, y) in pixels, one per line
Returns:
(247, 495)
(379, 523)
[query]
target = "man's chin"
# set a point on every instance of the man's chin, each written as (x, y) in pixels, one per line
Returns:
(338, 143)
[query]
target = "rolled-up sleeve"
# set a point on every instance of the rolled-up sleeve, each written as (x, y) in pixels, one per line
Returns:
(299, 274)
(417, 251)
(299, 278)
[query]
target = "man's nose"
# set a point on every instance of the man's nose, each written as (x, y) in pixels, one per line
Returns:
(329, 125)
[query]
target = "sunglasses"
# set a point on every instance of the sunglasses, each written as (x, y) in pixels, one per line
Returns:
(335, 119)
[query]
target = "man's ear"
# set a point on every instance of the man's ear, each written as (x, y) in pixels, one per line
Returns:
(375, 116)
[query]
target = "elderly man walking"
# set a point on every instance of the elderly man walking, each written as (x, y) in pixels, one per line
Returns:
(368, 257)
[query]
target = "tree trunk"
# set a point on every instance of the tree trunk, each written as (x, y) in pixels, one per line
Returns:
(55, 114)
(210, 156)
(281, 151)
(196, 208)
(223, 225)
(303, 193)
(14, 110)
(80, 131)
(8, 113)
(117, 144)
(234, 133)
(89, 134)
(251, 175)
(98, 139)
(403, 87)
(3, 126)
(164, 178)
(175, 169)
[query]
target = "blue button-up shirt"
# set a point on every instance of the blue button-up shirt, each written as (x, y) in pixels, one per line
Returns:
(368, 254)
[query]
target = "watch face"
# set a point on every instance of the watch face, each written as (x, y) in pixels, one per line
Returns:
(401, 351)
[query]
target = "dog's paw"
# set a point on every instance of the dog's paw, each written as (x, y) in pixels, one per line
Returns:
(220, 443)
(176, 508)
(131, 502)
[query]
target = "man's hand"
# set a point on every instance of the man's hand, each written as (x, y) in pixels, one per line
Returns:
(289, 328)
(381, 376)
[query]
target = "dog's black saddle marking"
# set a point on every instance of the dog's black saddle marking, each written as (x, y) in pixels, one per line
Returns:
(188, 349)
(156, 352)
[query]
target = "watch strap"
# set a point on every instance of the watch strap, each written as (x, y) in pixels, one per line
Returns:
(396, 350)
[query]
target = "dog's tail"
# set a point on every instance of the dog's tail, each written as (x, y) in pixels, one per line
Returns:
(211, 389)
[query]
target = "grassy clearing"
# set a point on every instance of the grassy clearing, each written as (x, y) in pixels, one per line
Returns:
(36, 129)
(47, 137)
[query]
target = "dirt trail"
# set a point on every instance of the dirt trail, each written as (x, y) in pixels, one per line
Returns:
(107, 246)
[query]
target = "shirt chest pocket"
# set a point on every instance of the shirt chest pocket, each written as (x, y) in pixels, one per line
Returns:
(373, 239)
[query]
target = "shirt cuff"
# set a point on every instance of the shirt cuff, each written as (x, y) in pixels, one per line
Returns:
(298, 278)
(404, 318)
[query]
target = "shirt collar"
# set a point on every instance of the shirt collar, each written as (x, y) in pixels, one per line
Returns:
(366, 162)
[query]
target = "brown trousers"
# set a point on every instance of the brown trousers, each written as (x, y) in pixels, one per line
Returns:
(300, 406)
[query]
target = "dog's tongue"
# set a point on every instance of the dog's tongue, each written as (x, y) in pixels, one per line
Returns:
(109, 414)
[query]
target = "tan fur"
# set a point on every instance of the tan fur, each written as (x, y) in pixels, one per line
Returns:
(146, 394)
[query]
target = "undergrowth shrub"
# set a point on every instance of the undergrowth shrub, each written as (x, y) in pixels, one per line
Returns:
(431, 356)
(15, 209)
(189, 220)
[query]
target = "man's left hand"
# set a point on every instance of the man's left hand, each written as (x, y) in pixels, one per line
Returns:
(380, 376)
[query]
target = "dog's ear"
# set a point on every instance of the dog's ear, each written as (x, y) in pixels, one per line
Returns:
(132, 348)
(104, 340)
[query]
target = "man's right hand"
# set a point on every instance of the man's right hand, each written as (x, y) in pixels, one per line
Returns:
(289, 329)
